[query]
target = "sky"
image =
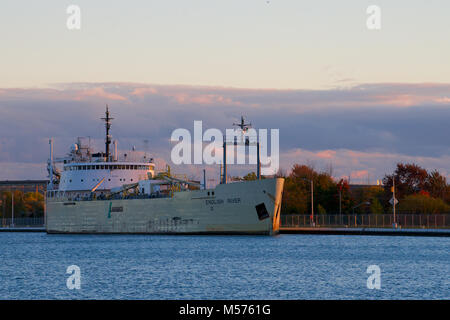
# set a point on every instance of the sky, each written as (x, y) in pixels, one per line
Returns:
(341, 94)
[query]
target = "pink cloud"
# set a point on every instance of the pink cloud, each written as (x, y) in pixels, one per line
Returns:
(326, 154)
(202, 99)
(360, 165)
(142, 92)
(98, 92)
(359, 174)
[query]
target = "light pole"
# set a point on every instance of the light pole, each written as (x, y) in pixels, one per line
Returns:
(393, 195)
(365, 202)
(340, 204)
(12, 209)
(353, 209)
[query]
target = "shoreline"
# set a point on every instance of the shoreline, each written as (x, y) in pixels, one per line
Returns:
(318, 231)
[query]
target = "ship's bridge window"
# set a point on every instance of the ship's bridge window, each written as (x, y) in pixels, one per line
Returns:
(84, 167)
(79, 168)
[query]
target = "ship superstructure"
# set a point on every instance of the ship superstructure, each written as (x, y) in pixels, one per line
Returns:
(83, 170)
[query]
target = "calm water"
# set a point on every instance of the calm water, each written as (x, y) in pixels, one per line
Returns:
(33, 266)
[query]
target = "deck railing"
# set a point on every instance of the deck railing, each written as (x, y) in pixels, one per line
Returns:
(431, 221)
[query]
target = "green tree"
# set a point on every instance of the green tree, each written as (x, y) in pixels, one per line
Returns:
(376, 207)
(297, 191)
(321, 210)
(250, 176)
(437, 185)
(422, 203)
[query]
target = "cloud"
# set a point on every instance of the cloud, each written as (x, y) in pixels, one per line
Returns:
(363, 127)
(361, 166)
(98, 93)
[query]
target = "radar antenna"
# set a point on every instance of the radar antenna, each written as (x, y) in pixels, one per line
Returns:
(244, 126)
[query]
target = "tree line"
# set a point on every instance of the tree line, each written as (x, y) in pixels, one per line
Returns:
(417, 190)
(29, 204)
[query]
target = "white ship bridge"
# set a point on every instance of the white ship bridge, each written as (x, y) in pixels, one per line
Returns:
(84, 170)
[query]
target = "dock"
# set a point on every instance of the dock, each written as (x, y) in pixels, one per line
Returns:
(367, 231)
(22, 229)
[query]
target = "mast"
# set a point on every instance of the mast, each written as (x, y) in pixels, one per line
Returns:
(107, 120)
(50, 165)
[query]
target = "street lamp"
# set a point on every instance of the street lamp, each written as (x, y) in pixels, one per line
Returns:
(366, 202)
(353, 209)
(312, 200)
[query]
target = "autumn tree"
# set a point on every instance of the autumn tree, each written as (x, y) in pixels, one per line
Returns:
(437, 185)
(297, 191)
(343, 191)
(412, 179)
(250, 176)
(409, 179)
(30, 204)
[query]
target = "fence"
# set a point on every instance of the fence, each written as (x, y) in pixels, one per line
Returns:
(432, 221)
(22, 222)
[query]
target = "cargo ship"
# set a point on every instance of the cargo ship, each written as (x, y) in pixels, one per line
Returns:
(119, 192)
